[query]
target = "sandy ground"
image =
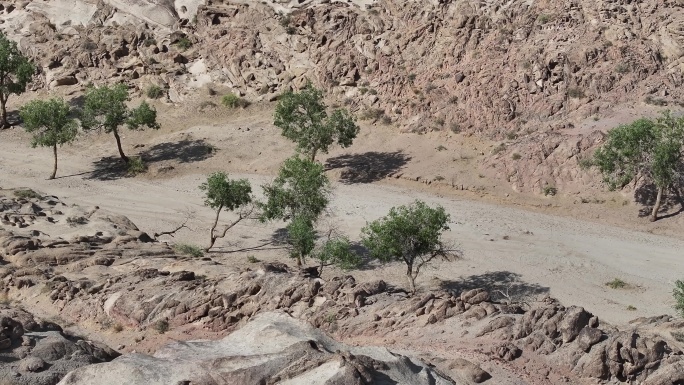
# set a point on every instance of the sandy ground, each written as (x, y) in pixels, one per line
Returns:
(521, 245)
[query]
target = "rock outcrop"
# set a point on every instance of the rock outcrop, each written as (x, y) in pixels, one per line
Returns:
(525, 72)
(272, 348)
(99, 269)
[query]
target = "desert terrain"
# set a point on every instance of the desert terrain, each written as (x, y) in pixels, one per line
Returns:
(487, 109)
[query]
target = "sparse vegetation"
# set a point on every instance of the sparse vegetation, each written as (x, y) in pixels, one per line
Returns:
(154, 92)
(187, 249)
(631, 308)
(655, 101)
(678, 336)
(184, 43)
(233, 101)
(440, 122)
(149, 42)
(550, 191)
(27, 194)
(455, 127)
(516, 156)
(161, 326)
(616, 283)
(372, 114)
(511, 136)
(76, 220)
(438, 178)
(622, 68)
(135, 166)
(678, 294)
(576, 93)
(497, 149)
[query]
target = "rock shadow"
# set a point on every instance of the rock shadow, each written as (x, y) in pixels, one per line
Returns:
(496, 283)
(646, 195)
(368, 167)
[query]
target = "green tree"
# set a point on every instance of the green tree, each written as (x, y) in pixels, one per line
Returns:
(301, 190)
(15, 73)
(301, 237)
(105, 108)
(678, 293)
(643, 150)
(51, 124)
(222, 193)
(411, 234)
(304, 120)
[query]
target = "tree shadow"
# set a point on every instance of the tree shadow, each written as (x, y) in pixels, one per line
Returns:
(367, 167)
(646, 195)
(109, 168)
(184, 151)
(495, 282)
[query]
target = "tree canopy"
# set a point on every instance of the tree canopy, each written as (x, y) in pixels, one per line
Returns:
(303, 118)
(222, 193)
(105, 108)
(411, 234)
(16, 71)
(301, 190)
(645, 150)
(51, 123)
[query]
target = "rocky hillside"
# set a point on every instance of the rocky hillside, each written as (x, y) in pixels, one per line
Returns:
(98, 271)
(527, 72)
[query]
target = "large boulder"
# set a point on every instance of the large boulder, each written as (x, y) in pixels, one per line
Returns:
(273, 348)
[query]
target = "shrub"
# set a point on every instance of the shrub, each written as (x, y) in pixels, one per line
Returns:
(161, 326)
(252, 259)
(117, 328)
(186, 249)
(501, 147)
(154, 92)
(412, 77)
(234, 101)
(441, 148)
(511, 136)
(543, 19)
(622, 68)
(631, 308)
(549, 190)
(184, 43)
(372, 114)
(679, 336)
(586, 163)
(136, 166)
(655, 101)
(73, 221)
(516, 156)
(576, 93)
(149, 42)
(27, 194)
(440, 122)
(678, 294)
(455, 127)
(438, 178)
(616, 283)
(386, 120)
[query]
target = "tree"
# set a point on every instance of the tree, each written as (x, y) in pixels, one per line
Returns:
(51, 124)
(411, 234)
(301, 190)
(303, 118)
(105, 108)
(222, 193)
(301, 237)
(678, 294)
(643, 150)
(15, 73)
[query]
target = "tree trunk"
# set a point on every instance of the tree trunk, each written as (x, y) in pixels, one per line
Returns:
(3, 105)
(118, 145)
(299, 261)
(54, 169)
(411, 279)
(213, 228)
(656, 207)
(313, 154)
